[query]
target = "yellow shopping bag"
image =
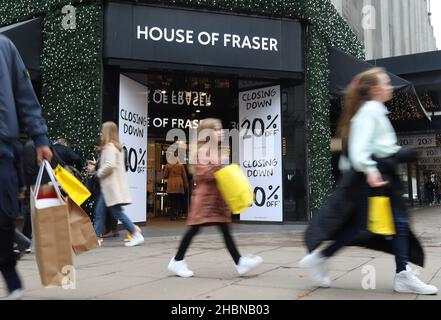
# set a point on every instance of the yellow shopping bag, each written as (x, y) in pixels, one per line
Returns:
(73, 187)
(235, 188)
(380, 217)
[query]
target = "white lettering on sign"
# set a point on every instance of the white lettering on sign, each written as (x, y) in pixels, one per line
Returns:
(169, 35)
(174, 123)
(429, 152)
(429, 161)
(133, 134)
(417, 141)
(205, 38)
(180, 98)
(260, 151)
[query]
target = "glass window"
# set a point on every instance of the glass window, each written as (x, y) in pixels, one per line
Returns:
(293, 154)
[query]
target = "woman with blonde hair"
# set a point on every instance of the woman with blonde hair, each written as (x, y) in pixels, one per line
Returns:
(114, 186)
(371, 155)
(207, 205)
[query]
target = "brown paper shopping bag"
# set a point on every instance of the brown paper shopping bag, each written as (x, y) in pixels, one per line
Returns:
(81, 230)
(51, 231)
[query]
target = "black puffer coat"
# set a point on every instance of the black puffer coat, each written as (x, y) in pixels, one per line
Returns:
(342, 204)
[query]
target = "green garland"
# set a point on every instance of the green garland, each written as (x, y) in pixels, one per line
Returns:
(71, 67)
(71, 93)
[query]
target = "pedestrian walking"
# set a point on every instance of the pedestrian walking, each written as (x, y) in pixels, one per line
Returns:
(19, 109)
(114, 185)
(67, 158)
(372, 155)
(208, 207)
(93, 185)
(22, 243)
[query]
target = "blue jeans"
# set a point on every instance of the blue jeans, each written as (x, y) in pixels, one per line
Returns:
(116, 211)
(400, 240)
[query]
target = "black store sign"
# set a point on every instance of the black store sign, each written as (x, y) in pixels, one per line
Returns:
(157, 34)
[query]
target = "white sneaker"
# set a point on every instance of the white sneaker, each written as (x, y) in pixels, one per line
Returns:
(317, 265)
(408, 282)
(129, 235)
(180, 268)
(248, 263)
(136, 240)
(16, 295)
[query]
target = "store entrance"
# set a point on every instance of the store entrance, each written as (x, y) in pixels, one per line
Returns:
(159, 204)
(176, 103)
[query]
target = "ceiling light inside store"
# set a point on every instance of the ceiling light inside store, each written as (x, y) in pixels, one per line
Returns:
(198, 111)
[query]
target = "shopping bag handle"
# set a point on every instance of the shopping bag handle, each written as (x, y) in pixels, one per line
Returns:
(46, 165)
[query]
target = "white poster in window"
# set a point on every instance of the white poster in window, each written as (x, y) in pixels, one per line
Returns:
(417, 141)
(133, 135)
(260, 151)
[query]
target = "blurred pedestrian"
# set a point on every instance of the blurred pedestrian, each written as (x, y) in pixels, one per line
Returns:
(93, 185)
(208, 207)
(372, 157)
(114, 185)
(19, 107)
(67, 158)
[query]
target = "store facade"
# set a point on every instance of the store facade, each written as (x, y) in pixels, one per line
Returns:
(153, 67)
(186, 65)
(422, 180)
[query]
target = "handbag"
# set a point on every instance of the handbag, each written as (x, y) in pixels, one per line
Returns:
(235, 188)
(71, 169)
(83, 235)
(380, 216)
(51, 230)
(71, 185)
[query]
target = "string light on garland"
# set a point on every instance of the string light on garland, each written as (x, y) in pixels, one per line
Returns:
(427, 101)
(72, 67)
(404, 106)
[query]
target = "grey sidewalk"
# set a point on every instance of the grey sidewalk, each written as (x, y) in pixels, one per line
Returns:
(116, 272)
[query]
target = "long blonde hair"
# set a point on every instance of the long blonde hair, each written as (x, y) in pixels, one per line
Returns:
(357, 92)
(208, 123)
(110, 134)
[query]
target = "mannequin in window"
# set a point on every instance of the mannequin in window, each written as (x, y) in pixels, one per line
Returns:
(177, 184)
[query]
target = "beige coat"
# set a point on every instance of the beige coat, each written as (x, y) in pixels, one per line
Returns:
(113, 177)
(176, 176)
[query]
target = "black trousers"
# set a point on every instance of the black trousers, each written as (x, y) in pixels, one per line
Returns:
(27, 224)
(193, 230)
(8, 213)
(400, 240)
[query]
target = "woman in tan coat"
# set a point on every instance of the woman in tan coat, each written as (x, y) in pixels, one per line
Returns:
(177, 184)
(114, 185)
(208, 207)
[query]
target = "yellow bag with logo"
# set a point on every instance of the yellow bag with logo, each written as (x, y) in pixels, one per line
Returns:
(380, 217)
(235, 188)
(71, 185)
